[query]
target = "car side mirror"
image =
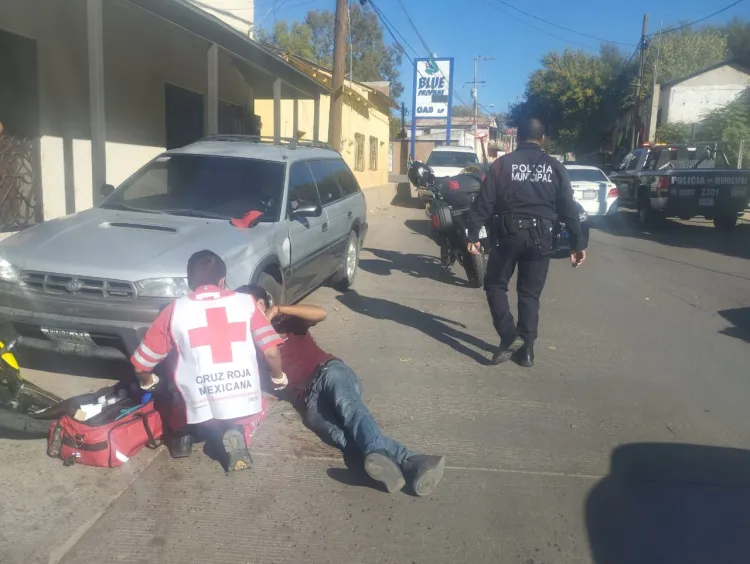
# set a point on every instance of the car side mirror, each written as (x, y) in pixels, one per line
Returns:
(106, 190)
(307, 210)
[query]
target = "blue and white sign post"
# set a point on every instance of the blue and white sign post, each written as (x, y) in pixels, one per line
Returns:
(433, 94)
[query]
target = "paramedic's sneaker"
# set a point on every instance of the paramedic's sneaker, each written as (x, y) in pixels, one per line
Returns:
(381, 467)
(238, 456)
(424, 472)
(180, 444)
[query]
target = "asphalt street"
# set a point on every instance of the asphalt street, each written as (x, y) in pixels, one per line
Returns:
(624, 444)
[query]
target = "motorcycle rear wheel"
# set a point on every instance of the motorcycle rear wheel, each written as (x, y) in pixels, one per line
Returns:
(475, 267)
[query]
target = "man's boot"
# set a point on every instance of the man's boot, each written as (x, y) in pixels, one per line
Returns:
(424, 472)
(238, 455)
(383, 468)
(180, 443)
(525, 355)
(504, 351)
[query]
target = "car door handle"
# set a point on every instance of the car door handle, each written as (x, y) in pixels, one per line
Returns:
(349, 215)
(325, 227)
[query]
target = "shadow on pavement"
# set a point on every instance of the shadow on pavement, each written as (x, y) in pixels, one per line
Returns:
(696, 234)
(406, 197)
(671, 503)
(415, 265)
(740, 319)
(439, 328)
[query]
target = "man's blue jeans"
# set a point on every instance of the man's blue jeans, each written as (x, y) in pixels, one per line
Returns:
(333, 408)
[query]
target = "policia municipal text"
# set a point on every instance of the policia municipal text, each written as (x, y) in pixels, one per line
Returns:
(522, 194)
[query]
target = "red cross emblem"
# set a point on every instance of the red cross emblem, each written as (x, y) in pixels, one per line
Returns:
(219, 335)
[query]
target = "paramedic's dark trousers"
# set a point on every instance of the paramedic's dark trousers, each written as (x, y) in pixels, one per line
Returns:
(522, 251)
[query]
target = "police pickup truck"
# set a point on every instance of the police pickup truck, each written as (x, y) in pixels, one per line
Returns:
(684, 181)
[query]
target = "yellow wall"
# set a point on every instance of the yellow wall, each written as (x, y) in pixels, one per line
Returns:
(357, 118)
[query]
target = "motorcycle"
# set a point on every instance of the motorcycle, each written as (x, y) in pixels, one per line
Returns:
(449, 209)
(561, 237)
(24, 407)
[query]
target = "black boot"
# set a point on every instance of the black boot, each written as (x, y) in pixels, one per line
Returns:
(525, 355)
(238, 455)
(381, 467)
(504, 351)
(424, 472)
(180, 444)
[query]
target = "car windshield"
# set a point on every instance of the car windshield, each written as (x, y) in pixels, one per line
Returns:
(586, 175)
(207, 186)
(451, 158)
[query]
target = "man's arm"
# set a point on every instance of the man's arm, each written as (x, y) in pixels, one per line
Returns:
(267, 341)
(310, 315)
(156, 345)
(567, 211)
(484, 206)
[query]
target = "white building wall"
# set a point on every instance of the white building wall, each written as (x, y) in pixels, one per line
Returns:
(690, 100)
(141, 54)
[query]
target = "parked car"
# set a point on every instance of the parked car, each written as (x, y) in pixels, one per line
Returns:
(596, 193)
(450, 160)
(682, 181)
(91, 283)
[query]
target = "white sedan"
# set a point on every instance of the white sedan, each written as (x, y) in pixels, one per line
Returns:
(596, 193)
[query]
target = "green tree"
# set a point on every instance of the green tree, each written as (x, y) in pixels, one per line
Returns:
(682, 53)
(372, 58)
(738, 40)
(297, 39)
(678, 132)
(396, 132)
(730, 124)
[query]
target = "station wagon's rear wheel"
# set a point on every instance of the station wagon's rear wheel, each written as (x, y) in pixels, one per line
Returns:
(347, 272)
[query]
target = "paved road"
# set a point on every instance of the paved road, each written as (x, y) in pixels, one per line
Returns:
(648, 343)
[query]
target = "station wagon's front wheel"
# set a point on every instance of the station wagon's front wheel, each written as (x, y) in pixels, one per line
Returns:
(347, 272)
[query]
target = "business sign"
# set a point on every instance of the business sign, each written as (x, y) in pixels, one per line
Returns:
(433, 82)
(433, 94)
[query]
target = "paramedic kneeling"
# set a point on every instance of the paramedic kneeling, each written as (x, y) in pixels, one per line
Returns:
(213, 333)
(327, 394)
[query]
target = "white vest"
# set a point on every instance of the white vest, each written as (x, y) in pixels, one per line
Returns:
(217, 367)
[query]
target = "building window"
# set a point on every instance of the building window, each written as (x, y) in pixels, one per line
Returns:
(373, 153)
(359, 151)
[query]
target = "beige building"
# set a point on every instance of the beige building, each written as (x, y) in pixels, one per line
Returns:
(92, 89)
(365, 127)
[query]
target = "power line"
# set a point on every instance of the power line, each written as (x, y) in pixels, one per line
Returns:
(392, 33)
(546, 32)
(414, 27)
(562, 26)
(724, 9)
(383, 16)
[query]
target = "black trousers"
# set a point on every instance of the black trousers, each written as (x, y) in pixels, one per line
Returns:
(533, 264)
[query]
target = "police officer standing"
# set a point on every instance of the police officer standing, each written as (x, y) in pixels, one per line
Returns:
(522, 193)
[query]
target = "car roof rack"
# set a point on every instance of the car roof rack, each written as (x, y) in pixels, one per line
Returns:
(287, 142)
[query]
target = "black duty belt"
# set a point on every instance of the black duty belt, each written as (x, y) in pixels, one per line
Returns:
(523, 223)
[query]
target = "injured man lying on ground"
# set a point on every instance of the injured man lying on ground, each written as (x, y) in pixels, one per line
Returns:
(327, 393)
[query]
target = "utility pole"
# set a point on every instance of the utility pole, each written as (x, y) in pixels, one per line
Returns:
(475, 95)
(339, 64)
(403, 120)
(639, 83)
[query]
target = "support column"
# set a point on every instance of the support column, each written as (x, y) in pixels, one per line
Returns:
(277, 110)
(316, 118)
(295, 119)
(212, 99)
(97, 116)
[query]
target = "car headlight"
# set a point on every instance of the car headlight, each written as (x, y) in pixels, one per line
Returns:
(162, 287)
(583, 216)
(9, 272)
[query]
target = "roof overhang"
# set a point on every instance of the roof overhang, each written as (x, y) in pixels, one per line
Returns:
(191, 18)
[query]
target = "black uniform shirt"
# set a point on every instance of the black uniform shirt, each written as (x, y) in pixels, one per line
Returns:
(526, 183)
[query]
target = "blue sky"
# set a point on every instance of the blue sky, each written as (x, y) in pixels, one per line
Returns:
(464, 29)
